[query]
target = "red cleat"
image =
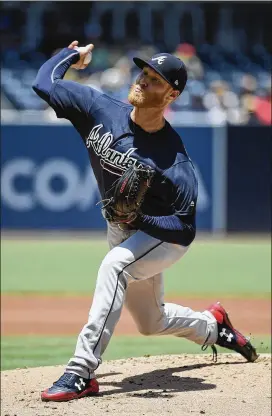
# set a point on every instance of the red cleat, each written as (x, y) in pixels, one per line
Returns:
(69, 387)
(229, 337)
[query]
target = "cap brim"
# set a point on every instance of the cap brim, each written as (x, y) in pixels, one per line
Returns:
(141, 64)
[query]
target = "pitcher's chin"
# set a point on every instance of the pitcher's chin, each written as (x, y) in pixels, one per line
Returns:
(136, 100)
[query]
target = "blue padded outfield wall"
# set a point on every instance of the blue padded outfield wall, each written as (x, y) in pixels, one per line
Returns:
(249, 179)
(47, 182)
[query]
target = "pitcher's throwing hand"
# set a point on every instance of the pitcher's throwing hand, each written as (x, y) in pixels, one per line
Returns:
(85, 54)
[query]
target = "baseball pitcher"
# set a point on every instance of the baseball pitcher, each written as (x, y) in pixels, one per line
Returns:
(148, 190)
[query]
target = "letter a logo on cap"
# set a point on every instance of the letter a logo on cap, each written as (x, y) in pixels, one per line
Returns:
(160, 59)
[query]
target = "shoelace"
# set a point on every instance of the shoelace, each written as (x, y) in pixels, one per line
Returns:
(214, 350)
(64, 380)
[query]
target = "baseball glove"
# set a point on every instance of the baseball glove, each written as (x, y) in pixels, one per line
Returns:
(125, 197)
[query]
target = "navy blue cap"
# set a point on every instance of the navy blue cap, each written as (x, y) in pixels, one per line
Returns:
(169, 67)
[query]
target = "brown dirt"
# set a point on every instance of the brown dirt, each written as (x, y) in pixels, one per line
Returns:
(180, 385)
(66, 315)
(169, 385)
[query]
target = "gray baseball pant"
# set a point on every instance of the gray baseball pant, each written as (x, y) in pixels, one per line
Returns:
(131, 273)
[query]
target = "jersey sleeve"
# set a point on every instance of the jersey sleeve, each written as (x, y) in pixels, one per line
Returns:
(185, 189)
(180, 227)
(70, 99)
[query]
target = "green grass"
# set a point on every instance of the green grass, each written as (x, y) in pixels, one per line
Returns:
(209, 268)
(30, 351)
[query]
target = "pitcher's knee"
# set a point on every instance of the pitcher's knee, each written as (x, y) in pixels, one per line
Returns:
(117, 259)
(148, 330)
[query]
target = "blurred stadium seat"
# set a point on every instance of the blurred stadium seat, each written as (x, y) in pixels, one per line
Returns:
(232, 82)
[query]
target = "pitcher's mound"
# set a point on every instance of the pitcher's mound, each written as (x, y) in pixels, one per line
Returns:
(178, 385)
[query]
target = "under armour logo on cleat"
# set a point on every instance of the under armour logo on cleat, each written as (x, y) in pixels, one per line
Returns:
(228, 336)
(81, 385)
(160, 59)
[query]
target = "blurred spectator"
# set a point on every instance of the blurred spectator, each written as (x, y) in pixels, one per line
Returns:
(187, 53)
(101, 58)
(230, 86)
(263, 109)
(112, 80)
(219, 87)
(248, 84)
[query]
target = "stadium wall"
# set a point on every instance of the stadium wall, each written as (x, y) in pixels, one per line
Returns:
(47, 181)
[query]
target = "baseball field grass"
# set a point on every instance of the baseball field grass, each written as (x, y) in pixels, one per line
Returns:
(229, 268)
(33, 351)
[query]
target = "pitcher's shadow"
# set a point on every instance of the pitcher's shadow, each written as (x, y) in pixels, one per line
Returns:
(160, 383)
(173, 385)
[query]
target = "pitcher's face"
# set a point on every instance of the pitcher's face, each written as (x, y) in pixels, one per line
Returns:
(150, 90)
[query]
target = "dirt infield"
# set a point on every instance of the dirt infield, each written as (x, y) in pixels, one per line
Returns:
(52, 315)
(178, 385)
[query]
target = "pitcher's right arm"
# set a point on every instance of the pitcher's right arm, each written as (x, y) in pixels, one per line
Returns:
(67, 98)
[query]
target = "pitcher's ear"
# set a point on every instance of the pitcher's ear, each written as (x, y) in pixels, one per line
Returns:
(174, 94)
